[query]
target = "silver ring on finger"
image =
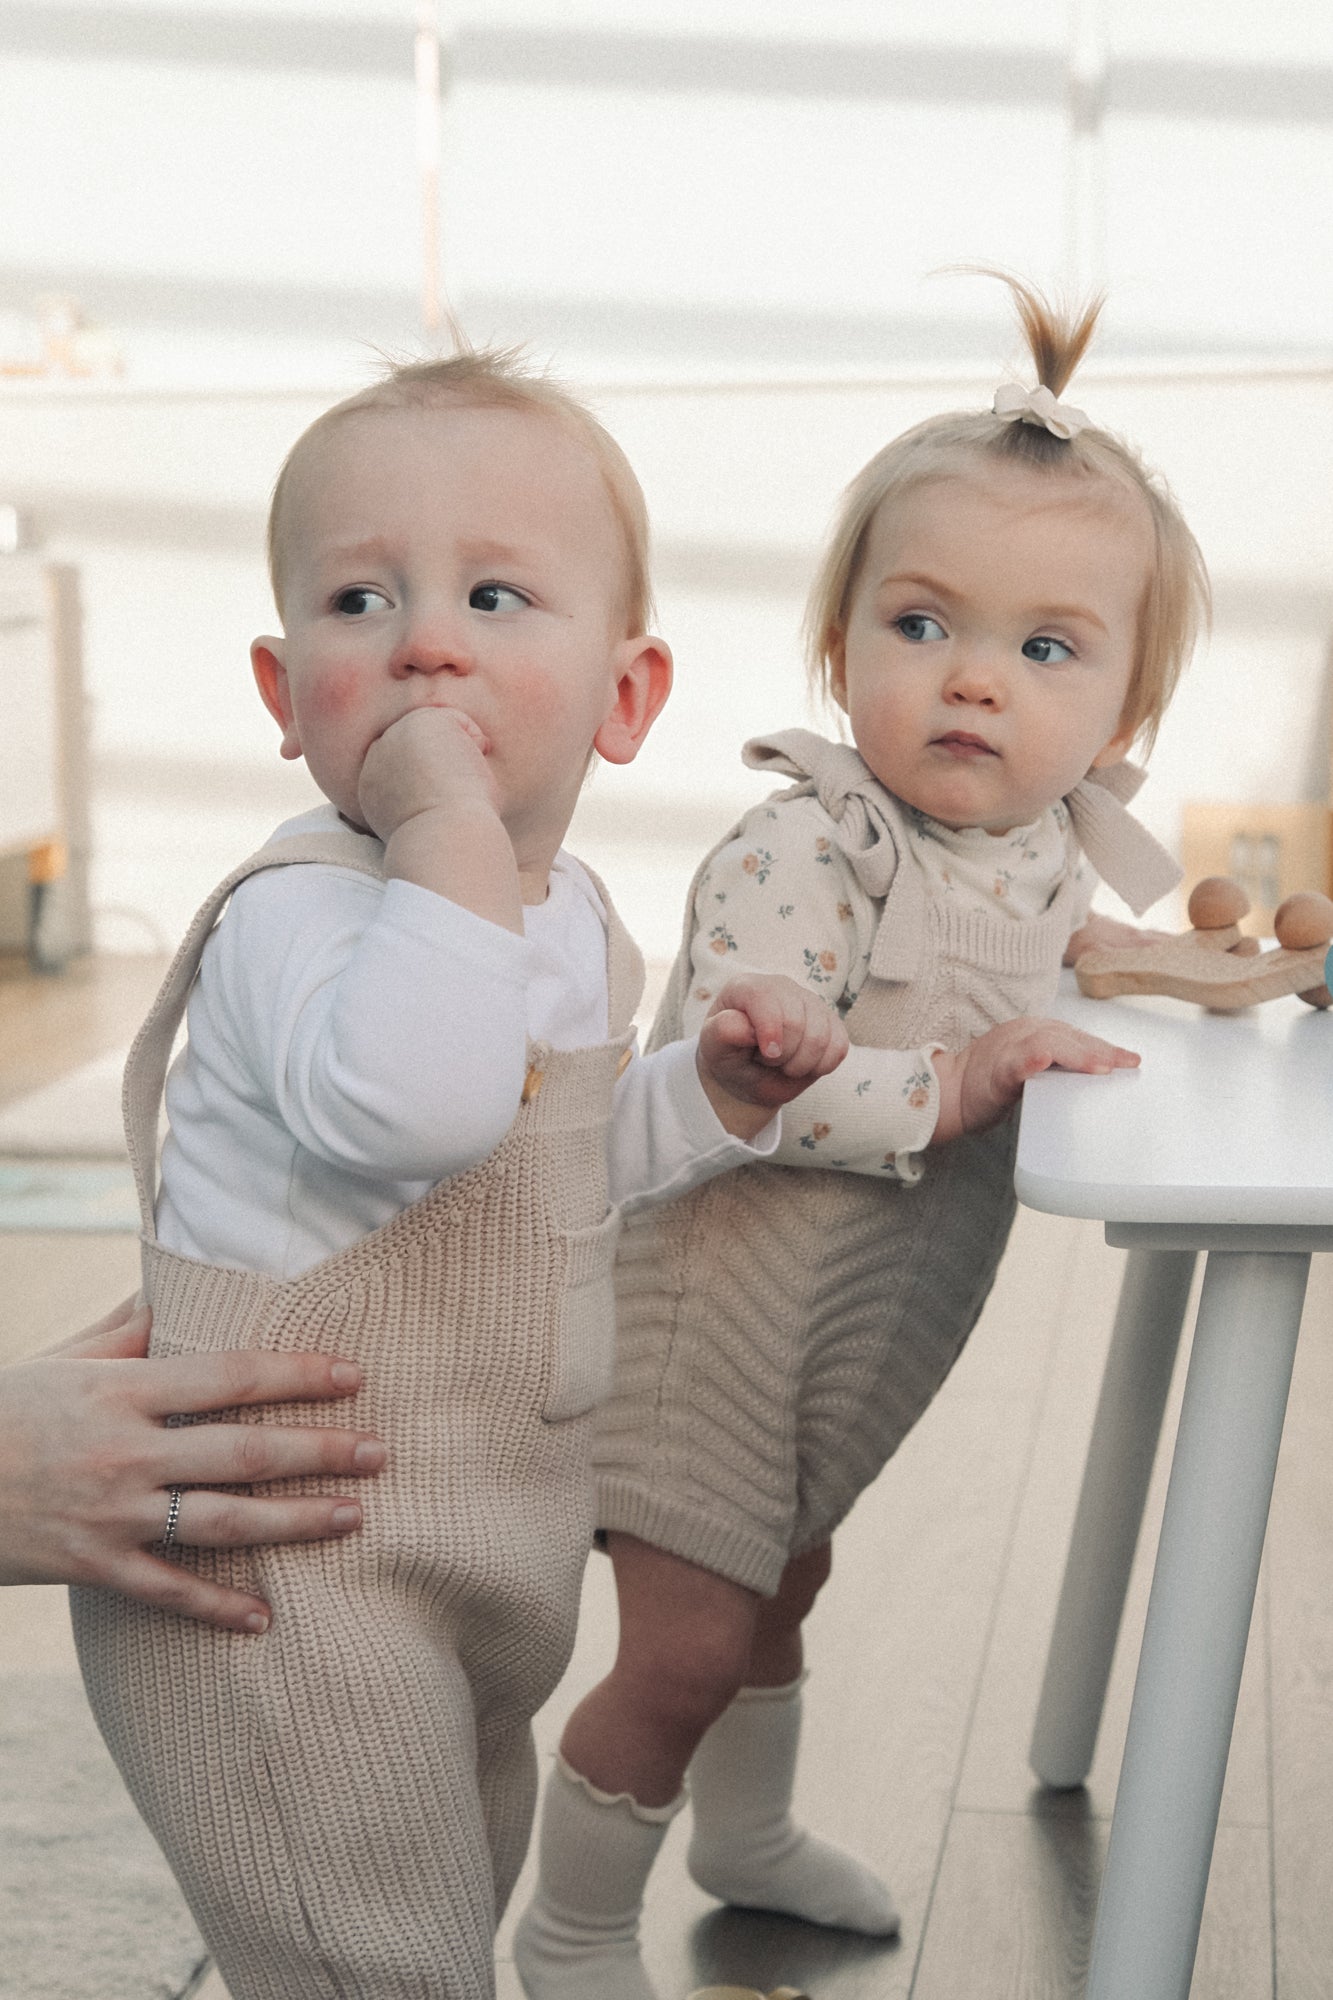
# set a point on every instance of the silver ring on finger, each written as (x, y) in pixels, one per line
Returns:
(173, 1517)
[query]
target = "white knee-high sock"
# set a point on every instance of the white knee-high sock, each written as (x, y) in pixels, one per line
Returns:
(578, 1939)
(746, 1847)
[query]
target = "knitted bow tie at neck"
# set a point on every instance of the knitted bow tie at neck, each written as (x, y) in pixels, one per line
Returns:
(1013, 405)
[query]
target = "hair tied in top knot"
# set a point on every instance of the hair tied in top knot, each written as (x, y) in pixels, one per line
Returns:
(1038, 406)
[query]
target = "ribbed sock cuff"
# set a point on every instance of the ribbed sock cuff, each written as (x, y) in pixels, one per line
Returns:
(650, 1815)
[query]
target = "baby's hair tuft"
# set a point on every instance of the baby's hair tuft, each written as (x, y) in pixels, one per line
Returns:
(1176, 601)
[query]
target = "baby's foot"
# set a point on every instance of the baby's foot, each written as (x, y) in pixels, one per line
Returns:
(554, 1964)
(799, 1875)
(746, 1847)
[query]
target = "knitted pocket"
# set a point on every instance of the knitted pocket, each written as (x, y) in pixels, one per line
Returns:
(583, 1363)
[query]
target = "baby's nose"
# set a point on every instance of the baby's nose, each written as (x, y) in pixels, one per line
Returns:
(434, 646)
(975, 678)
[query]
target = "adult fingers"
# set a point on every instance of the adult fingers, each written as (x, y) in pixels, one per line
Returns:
(184, 1383)
(237, 1521)
(240, 1454)
(120, 1335)
(153, 1580)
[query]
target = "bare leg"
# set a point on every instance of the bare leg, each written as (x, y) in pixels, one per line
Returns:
(777, 1654)
(747, 1848)
(686, 1645)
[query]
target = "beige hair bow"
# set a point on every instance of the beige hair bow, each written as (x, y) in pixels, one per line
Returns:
(1013, 405)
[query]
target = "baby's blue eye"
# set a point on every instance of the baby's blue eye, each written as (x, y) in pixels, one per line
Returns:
(356, 602)
(496, 597)
(1048, 652)
(915, 625)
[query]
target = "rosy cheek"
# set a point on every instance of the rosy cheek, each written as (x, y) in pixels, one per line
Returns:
(335, 693)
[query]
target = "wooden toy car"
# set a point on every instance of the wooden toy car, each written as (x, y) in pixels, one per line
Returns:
(1214, 964)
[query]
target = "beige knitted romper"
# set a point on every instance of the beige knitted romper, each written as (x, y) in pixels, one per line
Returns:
(346, 1801)
(780, 1331)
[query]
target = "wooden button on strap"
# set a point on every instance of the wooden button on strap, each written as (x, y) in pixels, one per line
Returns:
(532, 1083)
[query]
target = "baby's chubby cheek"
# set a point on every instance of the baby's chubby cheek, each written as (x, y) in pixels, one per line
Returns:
(334, 693)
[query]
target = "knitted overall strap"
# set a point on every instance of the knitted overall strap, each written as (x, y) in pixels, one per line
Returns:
(150, 1052)
(624, 965)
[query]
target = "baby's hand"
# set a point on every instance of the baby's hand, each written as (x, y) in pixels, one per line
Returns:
(764, 1041)
(427, 790)
(430, 760)
(1108, 934)
(979, 1083)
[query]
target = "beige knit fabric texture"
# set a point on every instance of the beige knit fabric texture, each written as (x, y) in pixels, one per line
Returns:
(779, 1330)
(346, 1801)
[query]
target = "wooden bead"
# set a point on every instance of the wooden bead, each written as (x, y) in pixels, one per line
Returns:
(1216, 902)
(1304, 920)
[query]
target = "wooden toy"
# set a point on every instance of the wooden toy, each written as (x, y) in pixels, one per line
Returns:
(1213, 964)
(746, 1993)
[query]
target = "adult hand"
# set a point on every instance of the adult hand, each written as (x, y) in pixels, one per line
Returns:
(87, 1460)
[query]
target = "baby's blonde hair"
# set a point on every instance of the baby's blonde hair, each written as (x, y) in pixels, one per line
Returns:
(1176, 602)
(491, 379)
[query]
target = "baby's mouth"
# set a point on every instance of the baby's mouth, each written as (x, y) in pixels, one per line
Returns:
(960, 743)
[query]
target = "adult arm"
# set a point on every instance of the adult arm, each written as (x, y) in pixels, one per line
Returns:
(87, 1459)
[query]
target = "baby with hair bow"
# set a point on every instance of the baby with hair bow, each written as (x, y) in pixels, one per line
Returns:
(1005, 606)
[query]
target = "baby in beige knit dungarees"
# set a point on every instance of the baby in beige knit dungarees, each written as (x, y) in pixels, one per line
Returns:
(1005, 606)
(404, 1128)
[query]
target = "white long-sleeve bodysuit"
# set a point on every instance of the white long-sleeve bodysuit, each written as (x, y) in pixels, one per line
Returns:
(352, 1041)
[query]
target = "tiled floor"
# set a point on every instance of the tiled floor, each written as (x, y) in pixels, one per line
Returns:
(925, 1657)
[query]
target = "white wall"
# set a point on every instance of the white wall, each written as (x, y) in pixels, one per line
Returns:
(694, 191)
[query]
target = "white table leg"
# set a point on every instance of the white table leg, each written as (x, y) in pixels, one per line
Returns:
(1198, 1620)
(1153, 1296)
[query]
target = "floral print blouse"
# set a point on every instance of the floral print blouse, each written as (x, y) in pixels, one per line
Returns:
(782, 897)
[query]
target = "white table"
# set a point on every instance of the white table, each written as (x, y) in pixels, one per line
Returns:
(1221, 1142)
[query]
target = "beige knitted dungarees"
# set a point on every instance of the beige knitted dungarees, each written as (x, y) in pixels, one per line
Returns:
(781, 1330)
(346, 1801)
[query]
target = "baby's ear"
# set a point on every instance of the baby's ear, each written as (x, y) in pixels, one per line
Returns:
(271, 680)
(642, 671)
(1116, 751)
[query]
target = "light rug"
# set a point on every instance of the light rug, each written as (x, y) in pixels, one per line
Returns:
(62, 1155)
(77, 1117)
(87, 1904)
(87, 1196)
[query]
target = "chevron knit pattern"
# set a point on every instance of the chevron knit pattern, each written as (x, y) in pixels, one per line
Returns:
(780, 1331)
